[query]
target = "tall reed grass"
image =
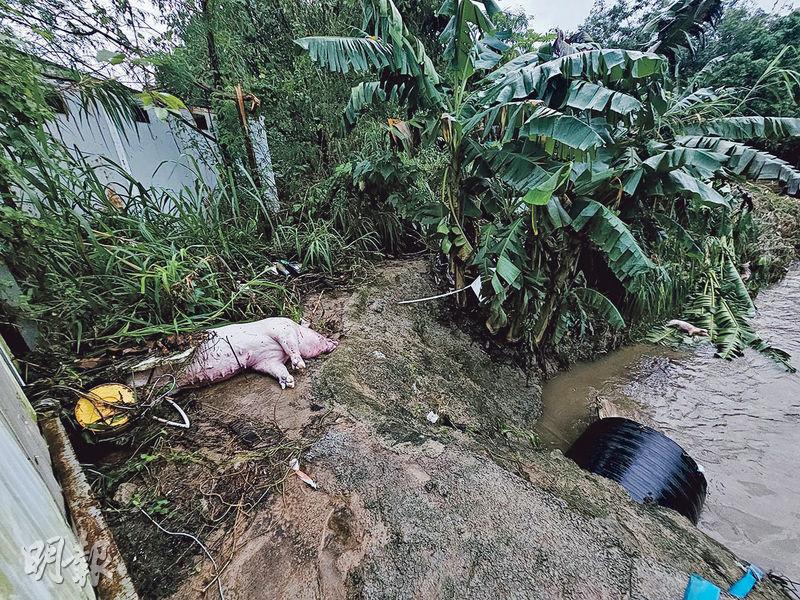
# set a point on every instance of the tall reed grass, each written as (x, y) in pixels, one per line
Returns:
(99, 266)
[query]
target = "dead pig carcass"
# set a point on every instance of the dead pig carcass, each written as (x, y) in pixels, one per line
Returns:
(264, 346)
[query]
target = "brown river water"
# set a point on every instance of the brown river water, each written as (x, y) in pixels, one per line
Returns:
(740, 420)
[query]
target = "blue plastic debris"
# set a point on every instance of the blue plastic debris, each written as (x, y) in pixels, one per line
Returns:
(741, 588)
(700, 589)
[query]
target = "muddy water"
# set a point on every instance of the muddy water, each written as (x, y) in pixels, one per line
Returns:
(740, 420)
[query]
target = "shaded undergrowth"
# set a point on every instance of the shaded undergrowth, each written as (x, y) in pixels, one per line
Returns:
(205, 481)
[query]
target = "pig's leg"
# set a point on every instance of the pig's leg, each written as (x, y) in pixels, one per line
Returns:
(275, 369)
(291, 345)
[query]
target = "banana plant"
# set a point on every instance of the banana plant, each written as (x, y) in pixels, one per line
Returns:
(721, 305)
(520, 119)
(553, 155)
(680, 24)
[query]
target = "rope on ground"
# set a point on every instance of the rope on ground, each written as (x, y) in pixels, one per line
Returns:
(199, 543)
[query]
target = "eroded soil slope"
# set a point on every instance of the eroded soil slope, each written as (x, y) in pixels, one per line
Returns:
(464, 508)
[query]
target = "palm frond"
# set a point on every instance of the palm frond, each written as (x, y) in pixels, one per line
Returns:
(344, 54)
(748, 128)
(502, 258)
(612, 237)
(384, 22)
(547, 124)
(662, 334)
(387, 47)
(500, 121)
(747, 161)
(532, 80)
(368, 93)
(683, 182)
(522, 165)
(734, 288)
(529, 59)
(585, 95)
(704, 162)
(687, 105)
(708, 68)
(779, 356)
(459, 36)
(722, 305)
(680, 24)
(488, 51)
(677, 232)
(362, 96)
(601, 305)
(508, 245)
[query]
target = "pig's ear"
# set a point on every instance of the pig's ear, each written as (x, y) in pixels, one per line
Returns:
(304, 323)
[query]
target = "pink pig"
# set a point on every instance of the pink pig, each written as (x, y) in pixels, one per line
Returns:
(263, 346)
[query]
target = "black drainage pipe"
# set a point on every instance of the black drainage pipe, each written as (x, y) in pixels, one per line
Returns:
(649, 465)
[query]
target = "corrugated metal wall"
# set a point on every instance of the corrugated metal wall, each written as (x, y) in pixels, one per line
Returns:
(37, 547)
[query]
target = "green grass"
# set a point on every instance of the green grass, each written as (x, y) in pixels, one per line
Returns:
(99, 270)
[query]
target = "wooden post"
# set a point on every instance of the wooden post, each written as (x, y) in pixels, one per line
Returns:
(248, 142)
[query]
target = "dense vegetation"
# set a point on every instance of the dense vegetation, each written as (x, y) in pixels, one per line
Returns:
(742, 44)
(591, 182)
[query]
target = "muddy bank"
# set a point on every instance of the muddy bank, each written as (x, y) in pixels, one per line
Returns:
(466, 507)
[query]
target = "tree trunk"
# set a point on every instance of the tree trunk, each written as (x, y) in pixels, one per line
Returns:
(542, 329)
(216, 74)
(457, 265)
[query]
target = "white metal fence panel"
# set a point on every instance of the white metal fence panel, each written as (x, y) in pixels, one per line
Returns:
(40, 557)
